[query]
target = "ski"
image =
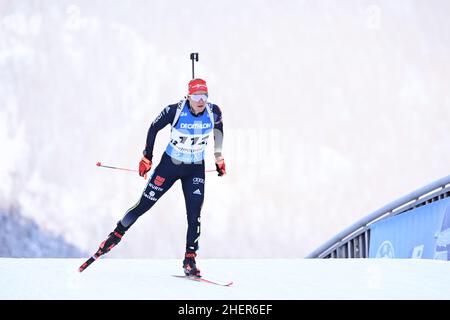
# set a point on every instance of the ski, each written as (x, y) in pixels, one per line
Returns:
(90, 260)
(193, 278)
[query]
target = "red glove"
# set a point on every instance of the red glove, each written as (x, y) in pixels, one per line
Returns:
(144, 166)
(220, 167)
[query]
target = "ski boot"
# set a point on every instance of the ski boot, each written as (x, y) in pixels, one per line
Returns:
(189, 266)
(113, 238)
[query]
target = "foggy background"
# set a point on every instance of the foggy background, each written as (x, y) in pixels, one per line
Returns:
(331, 110)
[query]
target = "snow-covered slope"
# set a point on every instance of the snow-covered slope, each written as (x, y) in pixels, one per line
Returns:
(253, 279)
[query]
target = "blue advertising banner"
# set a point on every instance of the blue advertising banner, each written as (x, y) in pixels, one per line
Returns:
(423, 232)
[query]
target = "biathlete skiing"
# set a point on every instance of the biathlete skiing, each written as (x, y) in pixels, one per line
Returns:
(193, 121)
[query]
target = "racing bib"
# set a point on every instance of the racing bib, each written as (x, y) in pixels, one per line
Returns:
(189, 136)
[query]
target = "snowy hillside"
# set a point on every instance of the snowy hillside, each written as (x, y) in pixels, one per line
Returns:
(327, 107)
(22, 237)
(253, 279)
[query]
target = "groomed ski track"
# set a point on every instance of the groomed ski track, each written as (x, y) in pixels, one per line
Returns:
(253, 279)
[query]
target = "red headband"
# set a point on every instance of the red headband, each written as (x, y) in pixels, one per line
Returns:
(197, 85)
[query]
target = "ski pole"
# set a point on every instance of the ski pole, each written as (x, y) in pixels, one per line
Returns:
(99, 164)
(194, 56)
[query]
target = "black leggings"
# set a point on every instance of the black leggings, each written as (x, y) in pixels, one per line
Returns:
(166, 173)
